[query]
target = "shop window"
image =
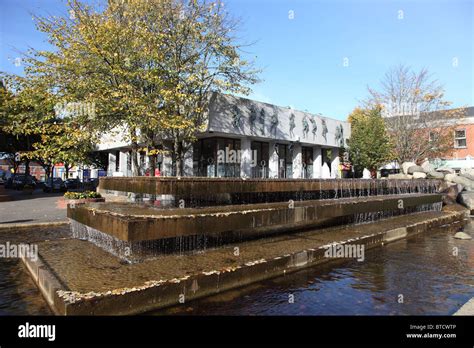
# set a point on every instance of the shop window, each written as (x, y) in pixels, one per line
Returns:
(307, 159)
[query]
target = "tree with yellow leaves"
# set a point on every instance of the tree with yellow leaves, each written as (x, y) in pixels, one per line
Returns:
(28, 114)
(149, 66)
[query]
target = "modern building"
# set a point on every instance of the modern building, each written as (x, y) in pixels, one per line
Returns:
(247, 138)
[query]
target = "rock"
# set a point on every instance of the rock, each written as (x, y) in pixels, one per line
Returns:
(466, 198)
(469, 171)
(427, 167)
(435, 175)
(468, 184)
(419, 175)
(445, 170)
(450, 194)
(449, 177)
(414, 169)
(462, 235)
(467, 175)
(406, 165)
(400, 176)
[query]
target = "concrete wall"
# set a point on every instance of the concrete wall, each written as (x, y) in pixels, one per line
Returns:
(234, 115)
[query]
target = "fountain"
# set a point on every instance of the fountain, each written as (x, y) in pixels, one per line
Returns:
(166, 237)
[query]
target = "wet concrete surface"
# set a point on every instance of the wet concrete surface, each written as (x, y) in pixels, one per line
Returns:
(423, 268)
(19, 295)
(83, 267)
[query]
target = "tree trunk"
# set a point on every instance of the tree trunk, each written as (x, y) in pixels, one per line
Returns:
(51, 175)
(134, 153)
(178, 149)
(152, 161)
(27, 167)
(135, 164)
(66, 166)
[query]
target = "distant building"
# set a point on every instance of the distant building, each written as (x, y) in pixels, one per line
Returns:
(247, 138)
(36, 170)
(462, 154)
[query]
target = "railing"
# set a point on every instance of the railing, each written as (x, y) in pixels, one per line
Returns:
(259, 172)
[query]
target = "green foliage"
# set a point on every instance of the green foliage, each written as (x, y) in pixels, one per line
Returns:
(82, 195)
(369, 144)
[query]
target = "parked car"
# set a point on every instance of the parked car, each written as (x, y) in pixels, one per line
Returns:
(95, 182)
(21, 180)
(40, 184)
(9, 182)
(91, 184)
(72, 184)
(57, 185)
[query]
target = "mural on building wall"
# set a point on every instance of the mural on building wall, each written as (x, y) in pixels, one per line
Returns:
(305, 126)
(270, 121)
(236, 117)
(324, 129)
(253, 118)
(339, 135)
(274, 123)
(314, 127)
(292, 124)
(262, 121)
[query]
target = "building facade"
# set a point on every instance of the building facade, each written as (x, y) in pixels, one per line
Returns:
(247, 138)
(462, 154)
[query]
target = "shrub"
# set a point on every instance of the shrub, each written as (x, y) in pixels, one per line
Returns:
(82, 195)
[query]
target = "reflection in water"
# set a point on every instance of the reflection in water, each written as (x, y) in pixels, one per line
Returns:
(423, 269)
(18, 293)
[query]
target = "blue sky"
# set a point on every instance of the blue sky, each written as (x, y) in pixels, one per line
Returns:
(303, 57)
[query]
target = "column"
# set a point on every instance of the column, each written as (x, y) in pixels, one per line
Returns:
(297, 162)
(317, 162)
(167, 165)
(111, 164)
(123, 163)
(335, 163)
(245, 158)
(273, 160)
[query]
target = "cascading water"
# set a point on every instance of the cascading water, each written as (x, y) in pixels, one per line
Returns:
(331, 191)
